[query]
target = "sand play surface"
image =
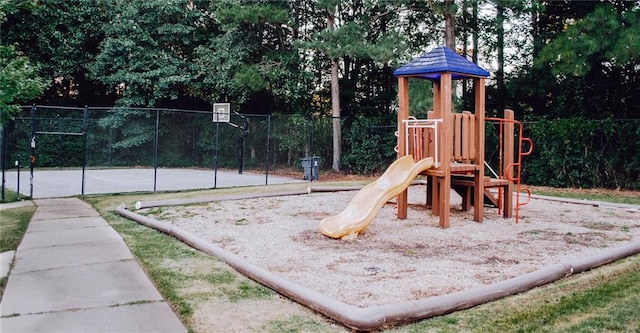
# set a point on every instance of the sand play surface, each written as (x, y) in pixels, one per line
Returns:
(399, 260)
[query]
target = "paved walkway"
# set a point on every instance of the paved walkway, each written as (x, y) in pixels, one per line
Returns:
(73, 273)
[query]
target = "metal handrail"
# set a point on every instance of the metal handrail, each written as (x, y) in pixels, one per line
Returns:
(423, 123)
(509, 170)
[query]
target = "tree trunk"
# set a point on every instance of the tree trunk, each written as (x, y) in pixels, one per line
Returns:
(449, 24)
(335, 103)
(335, 115)
(465, 44)
(474, 53)
(500, 72)
(535, 29)
(450, 32)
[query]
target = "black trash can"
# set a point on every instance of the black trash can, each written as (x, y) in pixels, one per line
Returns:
(311, 166)
(315, 168)
(306, 166)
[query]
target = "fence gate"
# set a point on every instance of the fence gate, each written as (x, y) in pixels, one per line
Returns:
(35, 132)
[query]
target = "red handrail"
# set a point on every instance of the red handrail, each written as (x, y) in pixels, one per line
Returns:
(517, 166)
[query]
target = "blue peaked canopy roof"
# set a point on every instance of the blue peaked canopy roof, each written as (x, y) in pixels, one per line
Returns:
(441, 60)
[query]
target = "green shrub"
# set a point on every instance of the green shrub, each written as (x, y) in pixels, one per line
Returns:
(581, 153)
(370, 143)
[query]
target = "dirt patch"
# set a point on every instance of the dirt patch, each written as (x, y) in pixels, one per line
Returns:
(230, 316)
(398, 260)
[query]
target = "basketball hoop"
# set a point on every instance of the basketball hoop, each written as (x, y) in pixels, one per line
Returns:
(221, 112)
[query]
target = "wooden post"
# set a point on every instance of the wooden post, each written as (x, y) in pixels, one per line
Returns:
(403, 113)
(507, 159)
(478, 209)
(446, 149)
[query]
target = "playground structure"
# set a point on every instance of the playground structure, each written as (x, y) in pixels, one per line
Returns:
(457, 140)
(453, 143)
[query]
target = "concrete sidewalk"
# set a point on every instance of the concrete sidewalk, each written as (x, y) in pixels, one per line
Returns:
(73, 273)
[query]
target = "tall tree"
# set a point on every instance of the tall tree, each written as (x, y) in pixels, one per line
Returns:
(500, 41)
(500, 91)
(335, 99)
(595, 62)
(250, 58)
(577, 69)
(146, 61)
(367, 40)
(19, 82)
(449, 12)
(146, 54)
(62, 36)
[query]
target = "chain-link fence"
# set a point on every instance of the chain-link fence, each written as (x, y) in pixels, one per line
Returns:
(48, 137)
(117, 137)
(567, 152)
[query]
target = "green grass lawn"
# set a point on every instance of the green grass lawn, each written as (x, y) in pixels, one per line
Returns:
(13, 225)
(605, 299)
(625, 197)
(12, 196)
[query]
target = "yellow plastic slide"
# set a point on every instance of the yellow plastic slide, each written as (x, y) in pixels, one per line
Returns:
(364, 207)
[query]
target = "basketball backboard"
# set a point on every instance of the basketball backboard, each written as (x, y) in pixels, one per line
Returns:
(221, 112)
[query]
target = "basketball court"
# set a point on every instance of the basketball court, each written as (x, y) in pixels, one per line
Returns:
(66, 183)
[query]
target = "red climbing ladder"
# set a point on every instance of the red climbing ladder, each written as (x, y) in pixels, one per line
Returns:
(510, 168)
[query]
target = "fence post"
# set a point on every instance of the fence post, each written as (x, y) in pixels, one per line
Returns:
(215, 154)
(85, 120)
(17, 179)
(266, 163)
(312, 135)
(244, 131)
(32, 145)
(3, 157)
(155, 151)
